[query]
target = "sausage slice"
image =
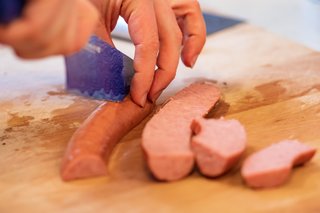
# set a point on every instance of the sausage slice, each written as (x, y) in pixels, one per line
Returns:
(166, 137)
(218, 144)
(272, 166)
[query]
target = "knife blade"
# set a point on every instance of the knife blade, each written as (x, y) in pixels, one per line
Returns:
(9, 10)
(98, 70)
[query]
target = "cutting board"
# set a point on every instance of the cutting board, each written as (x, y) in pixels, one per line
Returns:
(271, 85)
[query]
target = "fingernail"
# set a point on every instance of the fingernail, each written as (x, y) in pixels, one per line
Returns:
(143, 100)
(193, 61)
(156, 96)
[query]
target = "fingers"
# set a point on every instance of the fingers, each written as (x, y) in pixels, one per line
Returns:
(62, 29)
(109, 14)
(193, 26)
(143, 31)
(170, 38)
(15, 32)
(85, 23)
(46, 40)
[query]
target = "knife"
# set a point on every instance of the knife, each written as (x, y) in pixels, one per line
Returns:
(107, 75)
(10, 9)
(98, 70)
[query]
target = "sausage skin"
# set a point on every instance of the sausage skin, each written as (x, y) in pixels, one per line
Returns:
(94, 140)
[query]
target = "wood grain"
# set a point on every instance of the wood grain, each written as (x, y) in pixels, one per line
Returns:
(270, 84)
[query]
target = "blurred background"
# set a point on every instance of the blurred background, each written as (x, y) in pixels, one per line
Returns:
(298, 20)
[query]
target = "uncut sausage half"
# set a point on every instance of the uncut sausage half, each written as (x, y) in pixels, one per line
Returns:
(217, 144)
(166, 137)
(272, 166)
(95, 139)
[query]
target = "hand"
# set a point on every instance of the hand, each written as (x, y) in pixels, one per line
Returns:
(158, 29)
(50, 27)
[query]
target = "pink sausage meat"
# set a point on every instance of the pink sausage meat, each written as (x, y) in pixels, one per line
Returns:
(218, 144)
(166, 137)
(272, 166)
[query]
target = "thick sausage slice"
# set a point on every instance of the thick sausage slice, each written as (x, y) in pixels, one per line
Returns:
(272, 166)
(217, 144)
(93, 142)
(166, 137)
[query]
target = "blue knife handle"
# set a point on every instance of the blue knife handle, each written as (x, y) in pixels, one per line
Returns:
(10, 9)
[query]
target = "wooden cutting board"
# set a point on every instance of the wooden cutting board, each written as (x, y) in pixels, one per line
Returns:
(270, 84)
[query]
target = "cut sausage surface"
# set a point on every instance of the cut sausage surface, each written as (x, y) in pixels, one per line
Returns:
(166, 137)
(217, 144)
(93, 142)
(272, 166)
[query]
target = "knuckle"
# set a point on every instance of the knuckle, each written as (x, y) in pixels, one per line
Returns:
(38, 42)
(77, 46)
(21, 54)
(154, 45)
(95, 15)
(169, 73)
(178, 36)
(18, 53)
(35, 30)
(67, 50)
(82, 42)
(3, 40)
(70, 48)
(172, 75)
(174, 37)
(41, 43)
(91, 10)
(203, 39)
(151, 47)
(195, 4)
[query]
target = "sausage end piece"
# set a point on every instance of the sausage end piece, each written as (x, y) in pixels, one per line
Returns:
(91, 145)
(92, 165)
(272, 166)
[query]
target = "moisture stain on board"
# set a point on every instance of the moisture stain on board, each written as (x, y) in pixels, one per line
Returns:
(220, 109)
(6, 105)
(38, 138)
(75, 112)
(25, 99)
(261, 95)
(275, 90)
(3, 138)
(271, 91)
(57, 93)
(15, 120)
(64, 121)
(49, 134)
